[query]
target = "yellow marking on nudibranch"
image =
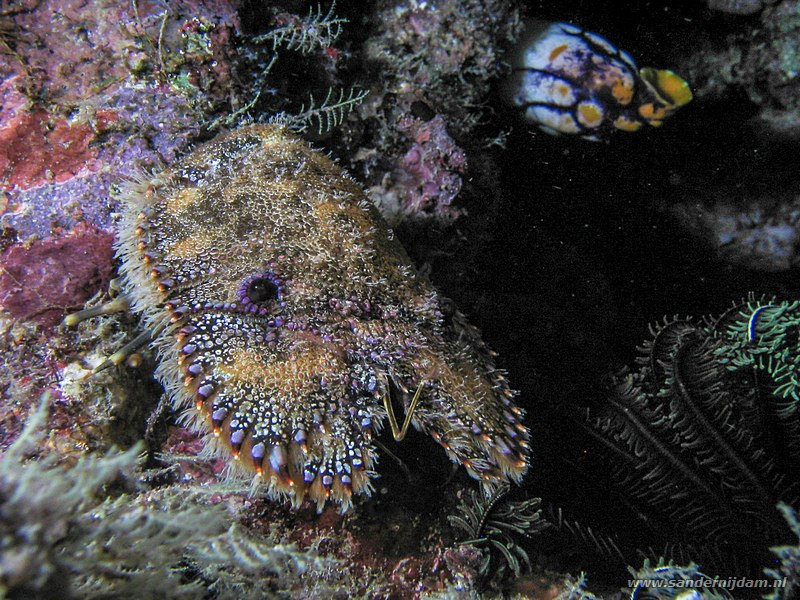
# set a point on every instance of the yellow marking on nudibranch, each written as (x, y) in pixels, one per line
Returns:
(622, 93)
(246, 366)
(652, 113)
(341, 225)
(589, 115)
(333, 210)
(623, 123)
(557, 51)
(668, 86)
(272, 138)
(566, 124)
(563, 90)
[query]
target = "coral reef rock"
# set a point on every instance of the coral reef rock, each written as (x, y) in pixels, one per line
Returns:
(39, 281)
(760, 63)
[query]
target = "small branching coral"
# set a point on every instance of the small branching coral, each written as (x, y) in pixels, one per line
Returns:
(305, 34)
(701, 441)
(316, 32)
(80, 532)
(237, 564)
(61, 537)
(494, 525)
(327, 114)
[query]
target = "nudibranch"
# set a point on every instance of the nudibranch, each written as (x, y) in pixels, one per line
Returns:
(571, 81)
(289, 322)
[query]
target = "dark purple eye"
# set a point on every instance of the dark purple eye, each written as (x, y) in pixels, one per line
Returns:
(261, 291)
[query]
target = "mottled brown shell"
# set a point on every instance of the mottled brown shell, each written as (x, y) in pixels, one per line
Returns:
(285, 311)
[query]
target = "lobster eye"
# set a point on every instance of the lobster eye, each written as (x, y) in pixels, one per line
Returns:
(262, 291)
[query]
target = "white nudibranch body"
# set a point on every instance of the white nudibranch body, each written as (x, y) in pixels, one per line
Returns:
(570, 81)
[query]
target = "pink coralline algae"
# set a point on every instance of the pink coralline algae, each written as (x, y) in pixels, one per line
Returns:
(100, 42)
(431, 169)
(125, 89)
(41, 281)
(35, 149)
(56, 186)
